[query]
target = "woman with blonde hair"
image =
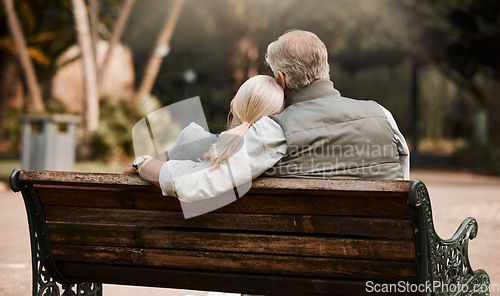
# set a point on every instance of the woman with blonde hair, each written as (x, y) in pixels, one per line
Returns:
(257, 98)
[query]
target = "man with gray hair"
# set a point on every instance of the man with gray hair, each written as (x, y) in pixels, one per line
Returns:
(328, 135)
(319, 134)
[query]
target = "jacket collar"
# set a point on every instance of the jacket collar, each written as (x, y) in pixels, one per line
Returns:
(321, 88)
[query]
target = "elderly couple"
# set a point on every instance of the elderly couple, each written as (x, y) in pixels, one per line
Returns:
(319, 133)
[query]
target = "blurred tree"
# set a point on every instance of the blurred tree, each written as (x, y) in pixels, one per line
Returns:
(44, 23)
(161, 49)
(463, 37)
(34, 93)
(91, 101)
(93, 7)
(115, 37)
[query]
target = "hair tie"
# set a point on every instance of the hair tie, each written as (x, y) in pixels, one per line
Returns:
(216, 156)
(246, 123)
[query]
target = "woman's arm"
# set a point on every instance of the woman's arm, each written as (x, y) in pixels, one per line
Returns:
(264, 145)
(192, 143)
(149, 170)
(190, 181)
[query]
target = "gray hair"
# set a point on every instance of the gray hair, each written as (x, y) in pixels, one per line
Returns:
(301, 56)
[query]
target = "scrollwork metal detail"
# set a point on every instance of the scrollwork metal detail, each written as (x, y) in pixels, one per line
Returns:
(446, 261)
(47, 281)
(87, 289)
(44, 283)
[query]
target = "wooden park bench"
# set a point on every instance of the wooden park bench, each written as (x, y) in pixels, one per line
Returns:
(284, 237)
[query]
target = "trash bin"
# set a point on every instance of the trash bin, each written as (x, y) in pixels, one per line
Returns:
(48, 142)
(479, 127)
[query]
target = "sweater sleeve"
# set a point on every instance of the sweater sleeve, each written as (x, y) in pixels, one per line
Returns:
(263, 146)
(193, 142)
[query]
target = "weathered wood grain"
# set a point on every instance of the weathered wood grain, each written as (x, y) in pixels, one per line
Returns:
(263, 284)
(238, 262)
(381, 227)
(250, 243)
(288, 184)
(338, 204)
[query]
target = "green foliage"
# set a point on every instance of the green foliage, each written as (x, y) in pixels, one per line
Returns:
(7, 165)
(54, 106)
(464, 35)
(112, 141)
(12, 129)
(48, 29)
(145, 105)
(113, 138)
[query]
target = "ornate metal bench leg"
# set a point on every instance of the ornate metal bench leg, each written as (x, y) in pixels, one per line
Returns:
(44, 283)
(83, 289)
(46, 279)
(446, 261)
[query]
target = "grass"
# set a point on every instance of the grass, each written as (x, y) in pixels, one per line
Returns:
(8, 165)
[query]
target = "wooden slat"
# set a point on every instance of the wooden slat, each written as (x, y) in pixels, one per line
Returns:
(340, 225)
(238, 263)
(321, 205)
(82, 179)
(214, 281)
(134, 237)
(250, 203)
(319, 184)
(105, 197)
(127, 180)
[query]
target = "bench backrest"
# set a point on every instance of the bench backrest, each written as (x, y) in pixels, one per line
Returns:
(292, 236)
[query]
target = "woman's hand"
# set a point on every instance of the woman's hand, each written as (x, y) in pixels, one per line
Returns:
(149, 170)
(130, 170)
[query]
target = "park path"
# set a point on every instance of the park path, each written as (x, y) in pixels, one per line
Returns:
(454, 196)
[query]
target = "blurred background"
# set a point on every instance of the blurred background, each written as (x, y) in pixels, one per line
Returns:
(435, 64)
(78, 74)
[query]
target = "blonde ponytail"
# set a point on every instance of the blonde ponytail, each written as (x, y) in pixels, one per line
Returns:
(259, 96)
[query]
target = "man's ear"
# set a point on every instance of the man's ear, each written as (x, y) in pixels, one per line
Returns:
(281, 79)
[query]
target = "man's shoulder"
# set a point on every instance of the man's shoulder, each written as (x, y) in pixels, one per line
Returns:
(330, 106)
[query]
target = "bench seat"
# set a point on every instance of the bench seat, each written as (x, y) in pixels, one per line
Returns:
(284, 237)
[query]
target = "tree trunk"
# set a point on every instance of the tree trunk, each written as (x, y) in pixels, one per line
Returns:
(94, 23)
(115, 38)
(34, 94)
(476, 93)
(161, 49)
(479, 96)
(91, 97)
